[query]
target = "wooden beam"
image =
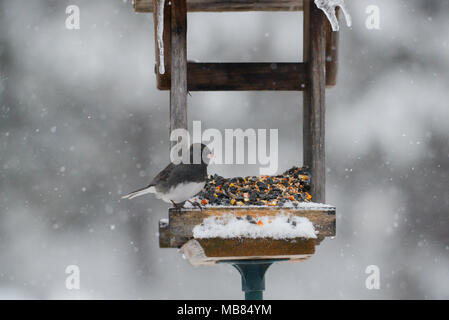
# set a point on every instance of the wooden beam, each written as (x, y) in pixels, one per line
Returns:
(229, 5)
(210, 251)
(314, 98)
(332, 40)
(178, 91)
(218, 247)
(245, 76)
(242, 76)
(179, 230)
(163, 80)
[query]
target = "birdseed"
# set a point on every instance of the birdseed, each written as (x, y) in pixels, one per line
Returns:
(292, 186)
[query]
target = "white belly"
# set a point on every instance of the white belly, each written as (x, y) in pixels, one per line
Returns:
(182, 192)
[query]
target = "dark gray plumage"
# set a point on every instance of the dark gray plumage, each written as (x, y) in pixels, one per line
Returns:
(178, 183)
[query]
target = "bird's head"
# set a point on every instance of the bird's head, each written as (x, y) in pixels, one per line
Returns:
(200, 153)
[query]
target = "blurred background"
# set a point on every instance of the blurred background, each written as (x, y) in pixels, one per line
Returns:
(81, 123)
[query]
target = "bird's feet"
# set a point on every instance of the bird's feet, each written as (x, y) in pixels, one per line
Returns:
(178, 206)
(196, 204)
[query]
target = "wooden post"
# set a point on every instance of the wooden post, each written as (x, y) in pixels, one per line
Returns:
(178, 91)
(163, 80)
(314, 98)
(332, 39)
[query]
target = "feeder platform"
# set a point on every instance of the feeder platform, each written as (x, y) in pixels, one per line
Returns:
(177, 232)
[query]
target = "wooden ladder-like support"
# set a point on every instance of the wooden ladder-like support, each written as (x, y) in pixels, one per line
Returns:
(311, 76)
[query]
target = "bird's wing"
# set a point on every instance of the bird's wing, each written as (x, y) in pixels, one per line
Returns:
(160, 178)
(163, 175)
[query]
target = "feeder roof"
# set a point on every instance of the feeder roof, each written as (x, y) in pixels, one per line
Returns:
(229, 5)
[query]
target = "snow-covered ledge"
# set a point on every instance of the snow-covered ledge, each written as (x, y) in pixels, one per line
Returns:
(247, 232)
(228, 226)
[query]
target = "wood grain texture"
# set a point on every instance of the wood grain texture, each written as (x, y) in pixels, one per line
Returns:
(197, 253)
(217, 247)
(178, 91)
(314, 98)
(181, 223)
(332, 42)
(163, 80)
(244, 76)
(229, 5)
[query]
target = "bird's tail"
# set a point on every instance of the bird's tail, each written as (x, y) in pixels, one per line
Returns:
(140, 192)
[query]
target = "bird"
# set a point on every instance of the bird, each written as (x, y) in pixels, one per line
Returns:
(177, 183)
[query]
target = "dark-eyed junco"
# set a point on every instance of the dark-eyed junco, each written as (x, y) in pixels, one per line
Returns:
(179, 182)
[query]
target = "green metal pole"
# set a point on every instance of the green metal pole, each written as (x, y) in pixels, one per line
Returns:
(254, 295)
(253, 278)
(253, 275)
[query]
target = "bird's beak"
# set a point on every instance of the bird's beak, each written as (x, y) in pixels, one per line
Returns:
(210, 156)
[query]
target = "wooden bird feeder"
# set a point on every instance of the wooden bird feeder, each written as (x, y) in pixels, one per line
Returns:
(251, 256)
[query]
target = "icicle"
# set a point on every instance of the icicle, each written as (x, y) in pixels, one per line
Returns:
(328, 7)
(160, 34)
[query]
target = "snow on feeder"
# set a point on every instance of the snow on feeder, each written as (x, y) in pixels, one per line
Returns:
(241, 216)
(251, 224)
